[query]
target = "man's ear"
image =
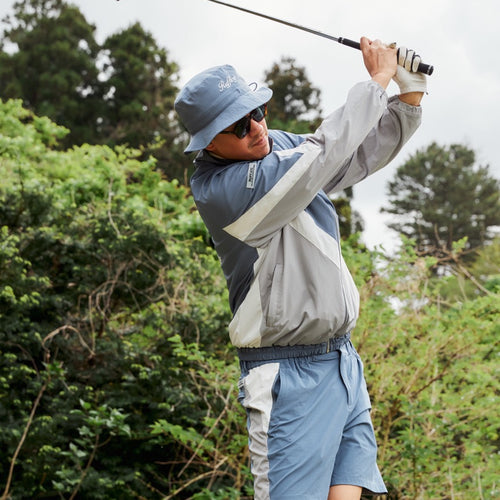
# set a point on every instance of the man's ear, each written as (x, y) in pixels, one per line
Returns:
(210, 147)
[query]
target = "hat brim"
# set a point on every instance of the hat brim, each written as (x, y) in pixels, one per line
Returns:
(238, 109)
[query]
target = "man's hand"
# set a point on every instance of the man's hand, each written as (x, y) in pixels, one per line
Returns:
(412, 86)
(380, 60)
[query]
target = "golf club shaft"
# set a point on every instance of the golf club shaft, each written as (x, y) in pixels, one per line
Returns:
(422, 68)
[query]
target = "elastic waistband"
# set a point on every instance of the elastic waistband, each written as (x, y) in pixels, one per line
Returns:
(291, 351)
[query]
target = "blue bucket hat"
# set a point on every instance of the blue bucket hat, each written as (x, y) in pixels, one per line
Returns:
(213, 100)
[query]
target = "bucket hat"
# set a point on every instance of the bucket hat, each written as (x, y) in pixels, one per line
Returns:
(213, 100)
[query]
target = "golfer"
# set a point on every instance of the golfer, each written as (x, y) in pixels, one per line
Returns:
(263, 195)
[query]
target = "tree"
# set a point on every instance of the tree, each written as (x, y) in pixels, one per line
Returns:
(296, 102)
(120, 93)
(440, 196)
(53, 69)
(139, 88)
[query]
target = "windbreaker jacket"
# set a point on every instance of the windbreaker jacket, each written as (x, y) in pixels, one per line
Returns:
(276, 230)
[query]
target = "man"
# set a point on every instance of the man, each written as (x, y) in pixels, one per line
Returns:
(263, 197)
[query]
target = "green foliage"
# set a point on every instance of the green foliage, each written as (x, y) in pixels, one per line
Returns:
(116, 377)
(212, 460)
(102, 261)
(481, 277)
(433, 377)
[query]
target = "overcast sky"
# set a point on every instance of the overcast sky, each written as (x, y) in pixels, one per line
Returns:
(459, 37)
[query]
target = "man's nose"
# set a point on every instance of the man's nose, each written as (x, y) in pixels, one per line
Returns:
(256, 126)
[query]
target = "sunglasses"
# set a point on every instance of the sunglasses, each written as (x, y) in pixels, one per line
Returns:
(242, 126)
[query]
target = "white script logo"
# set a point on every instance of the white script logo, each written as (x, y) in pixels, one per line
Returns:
(226, 84)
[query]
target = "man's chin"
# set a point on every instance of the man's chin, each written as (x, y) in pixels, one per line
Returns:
(261, 148)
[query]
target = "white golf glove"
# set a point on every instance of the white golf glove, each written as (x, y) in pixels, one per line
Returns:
(406, 77)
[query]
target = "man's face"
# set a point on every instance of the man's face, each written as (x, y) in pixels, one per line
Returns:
(254, 146)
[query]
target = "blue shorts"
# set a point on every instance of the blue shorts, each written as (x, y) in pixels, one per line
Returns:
(309, 424)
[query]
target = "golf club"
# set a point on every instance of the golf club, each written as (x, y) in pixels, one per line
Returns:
(422, 68)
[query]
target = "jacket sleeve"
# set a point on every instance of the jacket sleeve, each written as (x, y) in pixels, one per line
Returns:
(287, 181)
(381, 145)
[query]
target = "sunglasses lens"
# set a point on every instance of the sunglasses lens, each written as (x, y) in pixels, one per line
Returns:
(258, 114)
(242, 126)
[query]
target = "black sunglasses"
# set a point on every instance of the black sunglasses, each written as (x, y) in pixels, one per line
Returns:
(242, 126)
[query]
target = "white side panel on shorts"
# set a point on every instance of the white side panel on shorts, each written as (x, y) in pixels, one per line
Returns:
(258, 400)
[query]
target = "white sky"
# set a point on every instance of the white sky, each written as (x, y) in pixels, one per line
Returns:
(458, 37)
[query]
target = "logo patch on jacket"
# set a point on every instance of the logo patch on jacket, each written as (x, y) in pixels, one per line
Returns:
(252, 166)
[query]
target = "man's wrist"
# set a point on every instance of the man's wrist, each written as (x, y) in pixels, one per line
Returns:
(383, 79)
(411, 98)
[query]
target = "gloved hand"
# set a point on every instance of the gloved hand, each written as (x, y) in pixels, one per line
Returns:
(406, 77)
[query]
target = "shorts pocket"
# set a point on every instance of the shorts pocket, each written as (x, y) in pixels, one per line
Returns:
(275, 312)
(256, 388)
(276, 388)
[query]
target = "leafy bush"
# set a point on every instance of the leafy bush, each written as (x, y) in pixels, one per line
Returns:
(116, 377)
(432, 372)
(102, 262)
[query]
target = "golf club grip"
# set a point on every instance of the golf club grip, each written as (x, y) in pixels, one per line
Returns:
(422, 68)
(349, 43)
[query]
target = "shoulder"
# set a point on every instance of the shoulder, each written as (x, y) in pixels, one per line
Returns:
(285, 140)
